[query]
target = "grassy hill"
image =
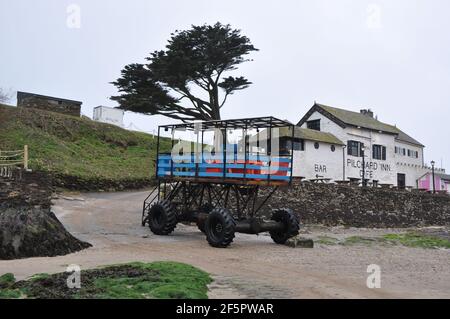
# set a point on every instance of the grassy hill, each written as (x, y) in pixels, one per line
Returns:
(78, 148)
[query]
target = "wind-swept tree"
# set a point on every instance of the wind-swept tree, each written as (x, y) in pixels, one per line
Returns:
(4, 97)
(187, 81)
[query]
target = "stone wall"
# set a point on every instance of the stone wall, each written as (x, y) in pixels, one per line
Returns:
(333, 205)
(94, 184)
(47, 104)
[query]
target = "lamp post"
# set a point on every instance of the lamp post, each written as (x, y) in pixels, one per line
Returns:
(363, 166)
(432, 173)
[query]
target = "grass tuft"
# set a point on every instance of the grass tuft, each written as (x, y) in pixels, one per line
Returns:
(327, 240)
(410, 239)
(417, 240)
(7, 280)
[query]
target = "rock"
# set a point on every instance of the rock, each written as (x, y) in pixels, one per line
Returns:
(300, 242)
(28, 228)
(34, 232)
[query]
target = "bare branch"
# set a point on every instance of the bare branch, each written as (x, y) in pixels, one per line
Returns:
(4, 96)
(224, 100)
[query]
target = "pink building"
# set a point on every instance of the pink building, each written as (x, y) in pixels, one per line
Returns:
(442, 182)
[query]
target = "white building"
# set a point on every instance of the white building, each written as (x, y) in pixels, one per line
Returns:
(109, 115)
(390, 155)
(316, 154)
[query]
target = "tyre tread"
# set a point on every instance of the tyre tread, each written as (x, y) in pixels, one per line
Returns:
(229, 228)
(171, 222)
(292, 225)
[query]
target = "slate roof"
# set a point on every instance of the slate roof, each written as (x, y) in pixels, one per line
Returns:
(358, 119)
(310, 135)
(22, 95)
(344, 118)
(313, 135)
(402, 136)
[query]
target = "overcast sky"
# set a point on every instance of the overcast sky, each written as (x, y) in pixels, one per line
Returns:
(392, 56)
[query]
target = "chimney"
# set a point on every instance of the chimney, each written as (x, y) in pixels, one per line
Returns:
(367, 112)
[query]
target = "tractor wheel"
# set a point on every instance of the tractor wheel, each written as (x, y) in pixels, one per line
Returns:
(290, 222)
(206, 209)
(162, 218)
(219, 228)
(201, 226)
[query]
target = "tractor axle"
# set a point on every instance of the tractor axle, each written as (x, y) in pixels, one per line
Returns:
(255, 226)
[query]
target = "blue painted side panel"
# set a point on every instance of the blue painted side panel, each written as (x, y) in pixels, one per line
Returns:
(257, 168)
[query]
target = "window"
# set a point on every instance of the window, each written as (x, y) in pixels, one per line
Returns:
(299, 145)
(379, 152)
(413, 154)
(316, 145)
(401, 151)
(354, 148)
(313, 125)
(406, 152)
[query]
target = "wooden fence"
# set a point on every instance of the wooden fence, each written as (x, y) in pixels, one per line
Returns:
(11, 160)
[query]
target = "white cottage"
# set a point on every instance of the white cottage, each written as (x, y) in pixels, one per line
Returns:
(317, 155)
(390, 156)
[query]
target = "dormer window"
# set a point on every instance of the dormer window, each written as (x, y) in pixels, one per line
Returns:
(313, 125)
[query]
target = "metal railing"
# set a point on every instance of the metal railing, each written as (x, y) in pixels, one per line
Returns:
(11, 160)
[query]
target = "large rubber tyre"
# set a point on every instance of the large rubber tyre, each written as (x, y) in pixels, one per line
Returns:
(206, 209)
(162, 218)
(220, 227)
(291, 225)
(201, 226)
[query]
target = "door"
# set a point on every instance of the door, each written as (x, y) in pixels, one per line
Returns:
(401, 181)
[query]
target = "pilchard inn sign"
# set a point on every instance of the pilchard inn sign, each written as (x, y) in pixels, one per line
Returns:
(370, 167)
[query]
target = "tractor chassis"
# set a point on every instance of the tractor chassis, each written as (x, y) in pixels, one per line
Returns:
(193, 202)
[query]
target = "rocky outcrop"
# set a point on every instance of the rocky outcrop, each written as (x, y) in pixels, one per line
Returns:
(34, 231)
(28, 228)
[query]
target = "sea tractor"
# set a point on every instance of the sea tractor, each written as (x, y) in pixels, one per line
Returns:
(221, 175)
